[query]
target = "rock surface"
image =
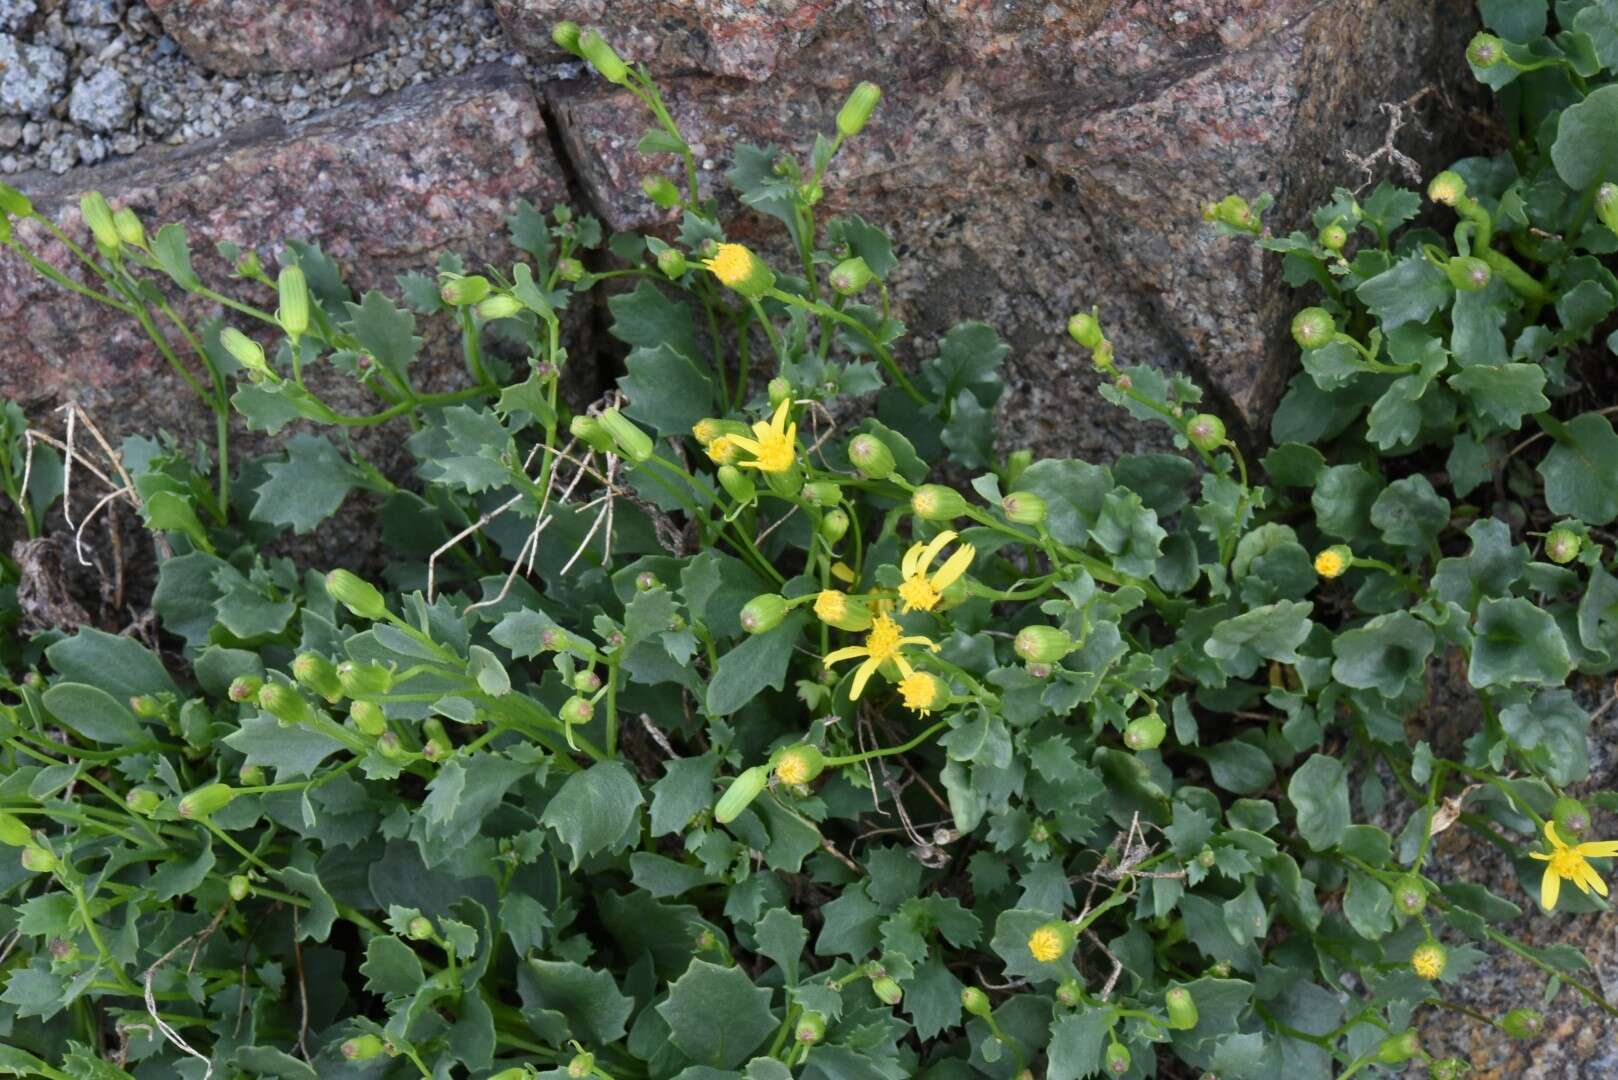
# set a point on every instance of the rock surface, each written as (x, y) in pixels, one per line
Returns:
(31, 76)
(235, 37)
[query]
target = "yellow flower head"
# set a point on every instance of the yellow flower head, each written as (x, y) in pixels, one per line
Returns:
(738, 268)
(1567, 861)
(1332, 562)
(774, 445)
(1048, 944)
(884, 643)
(1428, 960)
(842, 572)
(835, 608)
(723, 450)
(707, 430)
(923, 692)
(918, 591)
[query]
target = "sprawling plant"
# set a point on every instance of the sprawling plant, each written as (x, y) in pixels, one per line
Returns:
(704, 732)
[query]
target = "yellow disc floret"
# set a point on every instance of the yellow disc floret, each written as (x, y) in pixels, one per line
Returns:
(723, 450)
(921, 592)
(1047, 944)
(1332, 562)
(1428, 960)
(774, 445)
(731, 264)
(923, 692)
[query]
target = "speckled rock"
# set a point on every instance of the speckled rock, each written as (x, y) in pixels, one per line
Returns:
(31, 77)
(1032, 159)
(16, 14)
(235, 37)
(384, 186)
(721, 37)
(101, 102)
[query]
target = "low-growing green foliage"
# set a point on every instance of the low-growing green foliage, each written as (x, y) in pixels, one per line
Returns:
(706, 732)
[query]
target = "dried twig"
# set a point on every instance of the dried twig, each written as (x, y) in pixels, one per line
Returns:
(1388, 152)
(150, 995)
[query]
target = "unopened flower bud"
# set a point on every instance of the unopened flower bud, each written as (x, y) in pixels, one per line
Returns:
(1145, 732)
(1313, 327)
(871, 457)
(1038, 670)
(553, 639)
(856, 111)
(569, 269)
(811, 1028)
(1571, 817)
(741, 793)
(316, 673)
(739, 269)
(251, 775)
(98, 216)
(566, 36)
(1447, 188)
(935, 502)
(130, 230)
(1117, 1059)
(834, 526)
(142, 800)
(1398, 1048)
(737, 484)
(1447, 1069)
(631, 440)
(285, 704)
(464, 291)
(499, 306)
(671, 261)
(368, 717)
(1207, 858)
(976, 1002)
(646, 581)
(1069, 993)
(389, 746)
(1410, 896)
(38, 860)
(608, 64)
(582, 1065)
(362, 1048)
(1522, 1023)
(146, 706)
(763, 613)
(798, 765)
(1024, 508)
(246, 352)
(850, 276)
(244, 688)
(1206, 432)
(1182, 1008)
(359, 596)
(1042, 644)
(239, 887)
(1468, 274)
(1333, 237)
(364, 679)
(1606, 203)
(1485, 50)
(576, 710)
(586, 682)
(1562, 545)
(823, 493)
(1085, 329)
(778, 389)
(588, 430)
(887, 990)
(293, 290)
(661, 190)
(420, 928)
(206, 800)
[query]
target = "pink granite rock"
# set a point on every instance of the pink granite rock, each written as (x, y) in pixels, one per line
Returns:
(235, 37)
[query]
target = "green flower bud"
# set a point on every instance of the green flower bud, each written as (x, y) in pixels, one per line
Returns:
(1606, 203)
(763, 613)
(13, 833)
(1042, 644)
(1410, 896)
(206, 800)
(737, 484)
(856, 111)
(246, 352)
(249, 266)
(834, 526)
(239, 887)
(1206, 859)
(887, 991)
(1333, 237)
(359, 596)
(294, 295)
(364, 679)
(389, 746)
(1206, 432)
(778, 390)
(1024, 508)
(285, 704)
(98, 216)
(1313, 327)
(1522, 1023)
(1468, 274)
(1571, 818)
(661, 190)
(130, 230)
(1233, 211)
(244, 688)
(576, 710)
(631, 440)
(1085, 329)
(608, 64)
(566, 35)
(798, 765)
(671, 261)
(1182, 1008)
(850, 276)
(368, 717)
(1485, 50)
(500, 306)
(1117, 1059)
(420, 928)
(741, 793)
(1447, 188)
(1398, 1049)
(362, 1048)
(146, 706)
(871, 457)
(811, 1028)
(582, 1065)
(1017, 463)
(315, 672)
(1145, 732)
(142, 800)
(37, 860)
(569, 269)
(823, 493)
(588, 430)
(1069, 993)
(935, 502)
(1562, 545)
(976, 1002)
(1447, 1069)
(251, 775)
(553, 639)
(464, 291)
(586, 682)
(646, 581)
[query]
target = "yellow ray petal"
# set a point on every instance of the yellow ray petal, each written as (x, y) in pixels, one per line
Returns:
(953, 567)
(1550, 834)
(1550, 887)
(1594, 879)
(934, 546)
(745, 443)
(1598, 849)
(847, 652)
(1541, 856)
(861, 677)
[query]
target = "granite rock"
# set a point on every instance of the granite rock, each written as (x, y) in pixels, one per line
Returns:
(31, 77)
(102, 102)
(15, 15)
(235, 37)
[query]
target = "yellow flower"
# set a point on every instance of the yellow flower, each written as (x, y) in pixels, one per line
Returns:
(918, 591)
(923, 692)
(838, 609)
(841, 571)
(1428, 960)
(774, 445)
(1332, 562)
(885, 642)
(738, 268)
(1047, 944)
(706, 430)
(1568, 862)
(723, 450)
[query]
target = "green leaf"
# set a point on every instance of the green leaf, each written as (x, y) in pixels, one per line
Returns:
(647, 319)
(291, 751)
(386, 332)
(933, 998)
(968, 360)
(1128, 532)
(308, 487)
(1410, 514)
(1368, 905)
(1342, 501)
(781, 937)
(684, 791)
(1586, 149)
(759, 662)
(1074, 492)
(1387, 654)
(590, 1000)
(1076, 1041)
(1552, 732)
(716, 1016)
(969, 432)
(169, 511)
(1581, 470)
(179, 876)
(1318, 792)
(1504, 392)
(93, 713)
(121, 666)
(666, 389)
(1271, 632)
(1517, 642)
(594, 809)
(173, 253)
(1240, 767)
(1409, 291)
(391, 967)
